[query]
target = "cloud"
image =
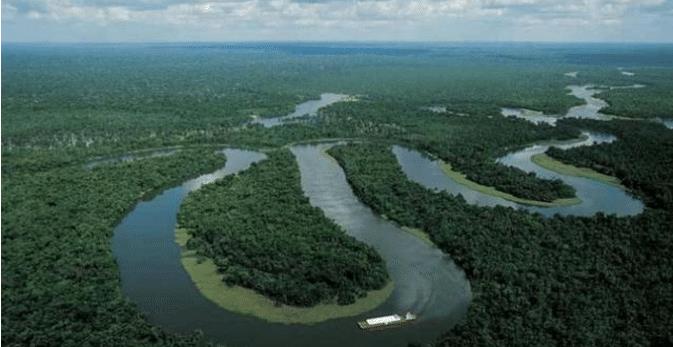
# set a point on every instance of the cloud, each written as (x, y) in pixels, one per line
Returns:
(349, 15)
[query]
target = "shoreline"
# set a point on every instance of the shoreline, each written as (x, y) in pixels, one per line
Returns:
(205, 277)
(551, 164)
(462, 179)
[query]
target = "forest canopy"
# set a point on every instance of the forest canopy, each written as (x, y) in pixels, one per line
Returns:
(263, 234)
(599, 280)
(60, 284)
(559, 281)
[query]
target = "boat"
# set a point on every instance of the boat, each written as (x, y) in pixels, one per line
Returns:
(384, 322)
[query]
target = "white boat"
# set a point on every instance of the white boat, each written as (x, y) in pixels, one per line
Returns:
(394, 320)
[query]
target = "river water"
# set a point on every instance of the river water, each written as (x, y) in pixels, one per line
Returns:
(426, 280)
(309, 108)
(667, 122)
(596, 196)
(590, 109)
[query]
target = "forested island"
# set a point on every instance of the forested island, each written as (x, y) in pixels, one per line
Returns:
(641, 159)
(534, 280)
(261, 232)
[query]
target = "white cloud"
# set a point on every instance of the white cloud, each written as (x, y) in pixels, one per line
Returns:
(350, 15)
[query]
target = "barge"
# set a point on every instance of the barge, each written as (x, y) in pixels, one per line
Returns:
(384, 322)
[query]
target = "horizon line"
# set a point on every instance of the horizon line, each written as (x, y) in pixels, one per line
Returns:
(342, 42)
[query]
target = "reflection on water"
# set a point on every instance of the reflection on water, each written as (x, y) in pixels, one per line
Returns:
(435, 109)
(532, 116)
(237, 160)
(591, 106)
(667, 122)
(590, 109)
(596, 196)
(426, 281)
(309, 108)
(633, 86)
(624, 72)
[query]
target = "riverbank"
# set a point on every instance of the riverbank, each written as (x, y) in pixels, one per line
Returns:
(463, 180)
(552, 164)
(246, 301)
(420, 233)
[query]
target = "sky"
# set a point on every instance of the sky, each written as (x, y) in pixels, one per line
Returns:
(337, 20)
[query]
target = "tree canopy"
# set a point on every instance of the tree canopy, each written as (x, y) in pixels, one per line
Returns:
(263, 234)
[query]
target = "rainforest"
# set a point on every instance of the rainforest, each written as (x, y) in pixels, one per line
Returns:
(266, 194)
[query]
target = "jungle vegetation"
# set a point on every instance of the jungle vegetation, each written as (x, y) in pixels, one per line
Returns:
(452, 139)
(262, 233)
(71, 95)
(559, 281)
(60, 284)
(180, 103)
(642, 158)
(655, 100)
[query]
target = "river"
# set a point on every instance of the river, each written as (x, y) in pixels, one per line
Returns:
(596, 196)
(309, 108)
(590, 109)
(426, 280)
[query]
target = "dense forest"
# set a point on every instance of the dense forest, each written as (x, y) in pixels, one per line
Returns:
(537, 282)
(262, 233)
(179, 103)
(74, 95)
(545, 282)
(642, 158)
(461, 141)
(60, 284)
(655, 100)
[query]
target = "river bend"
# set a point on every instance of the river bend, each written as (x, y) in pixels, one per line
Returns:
(426, 280)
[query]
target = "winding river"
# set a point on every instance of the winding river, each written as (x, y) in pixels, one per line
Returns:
(590, 109)
(426, 280)
(309, 108)
(596, 196)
